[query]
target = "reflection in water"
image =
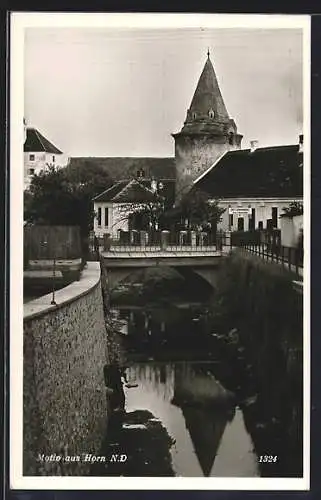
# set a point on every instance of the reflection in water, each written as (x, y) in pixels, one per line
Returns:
(214, 433)
(209, 435)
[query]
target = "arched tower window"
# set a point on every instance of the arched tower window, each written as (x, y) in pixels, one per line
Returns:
(194, 115)
(211, 113)
(231, 138)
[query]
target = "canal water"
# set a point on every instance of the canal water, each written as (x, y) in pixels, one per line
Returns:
(188, 411)
(207, 440)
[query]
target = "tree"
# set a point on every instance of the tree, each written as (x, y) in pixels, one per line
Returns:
(143, 215)
(295, 208)
(197, 211)
(64, 196)
(89, 175)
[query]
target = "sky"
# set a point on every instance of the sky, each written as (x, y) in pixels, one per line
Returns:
(124, 91)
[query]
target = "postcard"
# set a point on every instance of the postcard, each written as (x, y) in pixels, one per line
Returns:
(160, 228)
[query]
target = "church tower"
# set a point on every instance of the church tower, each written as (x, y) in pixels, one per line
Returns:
(207, 133)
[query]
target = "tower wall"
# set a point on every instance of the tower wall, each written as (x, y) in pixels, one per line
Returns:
(194, 154)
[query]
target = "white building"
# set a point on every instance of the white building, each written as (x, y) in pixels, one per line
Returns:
(114, 206)
(39, 153)
(254, 185)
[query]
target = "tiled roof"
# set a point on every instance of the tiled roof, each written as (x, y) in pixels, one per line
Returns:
(265, 172)
(36, 142)
(132, 191)
(207, 113)
(208, 95)
(126, 167)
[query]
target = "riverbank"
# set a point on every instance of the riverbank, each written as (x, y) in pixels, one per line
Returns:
(259, 317)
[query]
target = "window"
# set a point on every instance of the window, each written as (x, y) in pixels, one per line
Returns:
(269, 224)
(230, 222)
(31, 157)
(99, 216)
(106, 216)
(211, 113)
(231, 139)
(260, 225)
(194, 115)
(252, 220)
(31, 171)
(240, 224)
(53, 159)
(275, 217)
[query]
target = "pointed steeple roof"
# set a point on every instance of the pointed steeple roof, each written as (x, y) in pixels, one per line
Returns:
(207, 113)
(207, 95)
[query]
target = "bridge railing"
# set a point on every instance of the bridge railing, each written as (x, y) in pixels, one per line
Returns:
(267, 245)
(166, 240)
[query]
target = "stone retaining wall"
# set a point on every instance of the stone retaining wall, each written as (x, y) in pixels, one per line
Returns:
(65, 350)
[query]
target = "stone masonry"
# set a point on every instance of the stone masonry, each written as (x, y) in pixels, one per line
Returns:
(64, 401)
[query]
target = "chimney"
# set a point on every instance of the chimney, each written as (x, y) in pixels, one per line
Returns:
(301, 143)
(254, 145)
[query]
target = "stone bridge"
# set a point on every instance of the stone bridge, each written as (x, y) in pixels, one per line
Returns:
(204, 262)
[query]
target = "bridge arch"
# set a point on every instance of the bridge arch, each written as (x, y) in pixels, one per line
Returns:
(208, 274)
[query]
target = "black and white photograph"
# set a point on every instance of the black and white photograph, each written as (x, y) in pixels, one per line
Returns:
(159, 191)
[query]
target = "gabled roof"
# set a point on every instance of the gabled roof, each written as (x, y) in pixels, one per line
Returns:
(131, 191)
(265, 172)
(36, 142)
(126, 168)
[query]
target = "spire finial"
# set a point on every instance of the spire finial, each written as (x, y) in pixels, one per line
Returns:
(208, 52)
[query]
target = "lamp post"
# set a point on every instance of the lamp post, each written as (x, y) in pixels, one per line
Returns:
(44, 244)
(53, 302)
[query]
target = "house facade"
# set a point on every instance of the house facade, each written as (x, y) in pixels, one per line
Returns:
(114, 206)
(255, 185)
(39, 153)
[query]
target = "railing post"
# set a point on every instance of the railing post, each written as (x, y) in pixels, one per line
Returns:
(228, 239)
(193, 239)
(218, 241)
(164, 239)
(143, 238)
